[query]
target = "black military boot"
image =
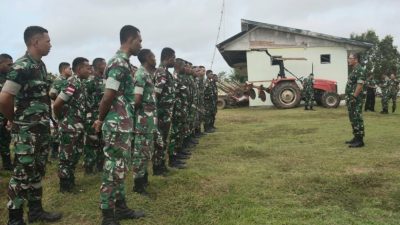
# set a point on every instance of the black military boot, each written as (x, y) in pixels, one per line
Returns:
(358, 143)
(122, 212)
(16, 217)
(194, 140)
(174, 163)
(351, 141)
(6, 158)
(36, 213)
(305, 107)
(311, 108)
(65, 185)
(109, 217)
(393, 109)
(139, 186)
(160, 170)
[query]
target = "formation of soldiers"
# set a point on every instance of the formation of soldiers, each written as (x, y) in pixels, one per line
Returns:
(116, 116)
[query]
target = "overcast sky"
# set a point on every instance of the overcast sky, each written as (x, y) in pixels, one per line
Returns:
(90, 28)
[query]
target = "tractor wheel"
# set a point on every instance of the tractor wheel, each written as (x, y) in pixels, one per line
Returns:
(221, 103)
(330, 100)
(286, 95)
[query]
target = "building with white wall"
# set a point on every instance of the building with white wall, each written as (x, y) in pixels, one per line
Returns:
(326, 55)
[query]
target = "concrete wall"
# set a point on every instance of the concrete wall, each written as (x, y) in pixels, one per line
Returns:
(259, 66)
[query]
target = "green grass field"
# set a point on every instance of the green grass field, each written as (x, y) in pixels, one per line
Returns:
(263, 166)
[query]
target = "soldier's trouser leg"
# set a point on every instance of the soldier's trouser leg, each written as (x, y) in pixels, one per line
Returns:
(143, 149)
(90, 150)
(99, 153)
(31, 150)
(5, 139)
(394, 99)
(356, 119)
(69, 154)
(117, 152)
(173, 138)
(385, 103)
(164, 126)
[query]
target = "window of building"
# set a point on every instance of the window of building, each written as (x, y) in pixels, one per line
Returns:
(325, 58)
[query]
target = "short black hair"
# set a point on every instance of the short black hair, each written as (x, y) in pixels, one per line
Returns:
(142, 56)
(167, 53)
(202, 67)
(356, 56)
(208, 72)
(78, 62)
(62, 66)
(96, 62)
(31, 31)
(5, 56)
(128, 31)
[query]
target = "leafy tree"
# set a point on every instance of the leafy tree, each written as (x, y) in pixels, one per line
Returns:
(383, 57)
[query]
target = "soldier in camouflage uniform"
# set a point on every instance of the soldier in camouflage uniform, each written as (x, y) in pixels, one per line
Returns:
(65, 72)
(215, 100)
(146, 119)
(116, 117)
(71, 107)
(189, 140)
(354, 100)
(201, 109)
(179, 117)
(308, 85)
(165, 97)
(5, 136)
(93, 148)
(385, 86)
(208, 102)
(371, 91)
(28, 83)
(393, 90)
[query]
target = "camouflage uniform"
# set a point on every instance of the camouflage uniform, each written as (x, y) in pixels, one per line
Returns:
(28, 82)
(146, 122)
(214, 100)
(308, 92)
(393, 90)
(164, 87)
(354, 105)
(385, 87)
(55, 88)
(200, 102)
(208, 103)
(179, 115)
(117, 131)
(5, 136)
(191, 105)
(71, 128)
(94, 144)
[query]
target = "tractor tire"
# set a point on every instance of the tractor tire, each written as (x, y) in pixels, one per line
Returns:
(330, 100)
(286, 95)
(221, 103)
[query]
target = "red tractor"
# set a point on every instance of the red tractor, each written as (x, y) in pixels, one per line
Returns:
(285, 93)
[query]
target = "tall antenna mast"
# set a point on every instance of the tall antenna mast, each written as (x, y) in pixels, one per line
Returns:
(219, 31)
